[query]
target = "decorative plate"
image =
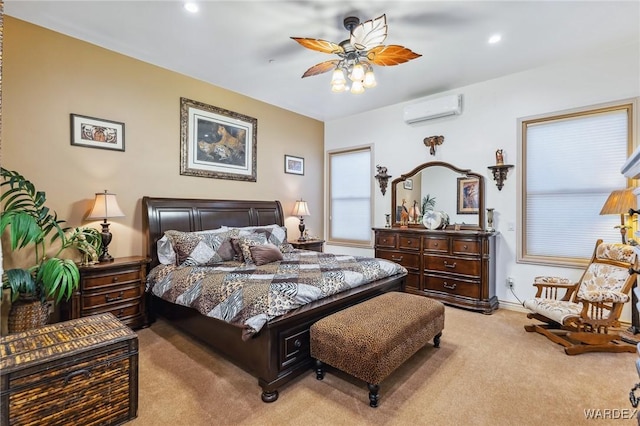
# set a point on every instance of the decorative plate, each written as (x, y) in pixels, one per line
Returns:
(432, 220)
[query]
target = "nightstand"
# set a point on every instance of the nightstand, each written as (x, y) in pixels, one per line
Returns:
(315, 245)
(116, 287)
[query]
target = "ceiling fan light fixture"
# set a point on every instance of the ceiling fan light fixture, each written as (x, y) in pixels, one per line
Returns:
(357, 87)
(357, 73)
(338, 88)
(357, 54)
(338, 77)
(369, 80)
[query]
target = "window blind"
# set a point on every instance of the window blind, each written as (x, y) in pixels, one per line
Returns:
(571, 166)
(350, 196)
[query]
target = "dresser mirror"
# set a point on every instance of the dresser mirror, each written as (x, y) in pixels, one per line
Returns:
(457, 192)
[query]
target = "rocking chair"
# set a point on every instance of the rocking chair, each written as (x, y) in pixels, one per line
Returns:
(582, 319)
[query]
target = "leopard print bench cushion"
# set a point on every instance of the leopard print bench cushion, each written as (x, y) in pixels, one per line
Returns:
(370, 340)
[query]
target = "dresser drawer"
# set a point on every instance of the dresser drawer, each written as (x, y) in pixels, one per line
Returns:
(408, 260)
(452, 265)
(413, 280)
(386, 240)
(439, 244)
(409, 243)
(95, 282)
(471, 247)
(114, 296)
(122, 311)
(452, 286)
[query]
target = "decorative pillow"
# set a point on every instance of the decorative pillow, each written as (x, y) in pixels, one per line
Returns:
(266, 253)
(246, 241)
(275, 234)
(286, 248)
(204, 248)
(166, 254)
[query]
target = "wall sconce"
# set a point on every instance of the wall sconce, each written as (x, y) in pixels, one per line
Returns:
(301, 209)
(382, 178)
(500, 170)
(105, 206)
(621, 201)
(432, 142)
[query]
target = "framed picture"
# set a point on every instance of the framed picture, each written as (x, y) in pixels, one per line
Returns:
(468, 195)
(94, 132)
(293, 165)
(217, 143)
(407, 184)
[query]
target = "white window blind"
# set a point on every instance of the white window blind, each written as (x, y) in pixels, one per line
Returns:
(572, 164)
(350, 196)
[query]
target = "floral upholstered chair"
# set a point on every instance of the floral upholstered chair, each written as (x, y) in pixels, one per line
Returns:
(582, 316)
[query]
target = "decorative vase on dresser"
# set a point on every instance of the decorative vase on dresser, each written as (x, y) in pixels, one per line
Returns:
(455, 267)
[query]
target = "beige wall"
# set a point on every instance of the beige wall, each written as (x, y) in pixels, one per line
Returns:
(47, 76)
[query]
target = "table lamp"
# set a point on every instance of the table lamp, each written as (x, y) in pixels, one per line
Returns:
(619, 202)
(301, 209)
(105, 206)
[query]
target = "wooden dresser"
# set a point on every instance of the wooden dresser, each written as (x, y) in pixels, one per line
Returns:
(116, 287)
(455, 267)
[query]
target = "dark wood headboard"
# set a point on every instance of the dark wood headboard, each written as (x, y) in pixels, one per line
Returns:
(189, 214)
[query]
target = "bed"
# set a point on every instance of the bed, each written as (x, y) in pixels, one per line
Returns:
(279, 351)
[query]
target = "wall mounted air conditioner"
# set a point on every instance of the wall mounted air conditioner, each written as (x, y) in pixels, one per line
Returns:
(433, 108)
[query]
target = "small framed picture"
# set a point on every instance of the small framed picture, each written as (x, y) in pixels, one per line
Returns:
(468, 195)
(94, 132)
(293, 165)
(408, 184)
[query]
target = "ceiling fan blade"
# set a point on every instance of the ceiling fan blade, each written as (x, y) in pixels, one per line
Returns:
(321, 68)
(391, 55)
(369, 34)
(323, 46)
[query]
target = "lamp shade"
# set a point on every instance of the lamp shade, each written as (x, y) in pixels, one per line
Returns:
(301, 209)
(619, 202)
(105, 206)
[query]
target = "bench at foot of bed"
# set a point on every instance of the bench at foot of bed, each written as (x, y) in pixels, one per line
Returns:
(370, 340)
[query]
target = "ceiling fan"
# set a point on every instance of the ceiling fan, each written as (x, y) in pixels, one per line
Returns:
(357, 54)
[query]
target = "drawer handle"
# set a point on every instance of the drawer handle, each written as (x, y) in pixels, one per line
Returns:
(70, 376)
(409, 242)
(297, 343)
(397, 259)
(435, 244)
(115, 279)
(465, 246)
(449, 286)
(113, 299)
(120, 313)
(449, 265)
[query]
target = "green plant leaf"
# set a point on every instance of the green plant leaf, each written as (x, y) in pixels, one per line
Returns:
(59, 278)
(19, 281)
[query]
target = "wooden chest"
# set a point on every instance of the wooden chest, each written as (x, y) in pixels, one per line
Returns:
(80, 372)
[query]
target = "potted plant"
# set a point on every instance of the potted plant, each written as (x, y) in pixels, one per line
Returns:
(33, 226)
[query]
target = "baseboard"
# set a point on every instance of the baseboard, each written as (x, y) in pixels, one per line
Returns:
(512, 306)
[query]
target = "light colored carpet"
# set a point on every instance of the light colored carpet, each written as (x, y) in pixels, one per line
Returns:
(487, 371)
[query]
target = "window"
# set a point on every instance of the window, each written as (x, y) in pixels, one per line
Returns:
(570, 164)
(350, 196)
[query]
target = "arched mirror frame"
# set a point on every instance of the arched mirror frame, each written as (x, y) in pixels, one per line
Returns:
(465, 172)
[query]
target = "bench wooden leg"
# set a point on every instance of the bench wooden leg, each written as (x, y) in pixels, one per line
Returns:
(319, 370)
(436, 340)
(373, 394)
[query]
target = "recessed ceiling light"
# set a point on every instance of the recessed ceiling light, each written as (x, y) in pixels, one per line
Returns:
(191, 7)
(495, 38)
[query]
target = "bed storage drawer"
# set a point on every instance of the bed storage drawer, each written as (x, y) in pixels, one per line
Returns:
(79, 372)
(294, 345)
